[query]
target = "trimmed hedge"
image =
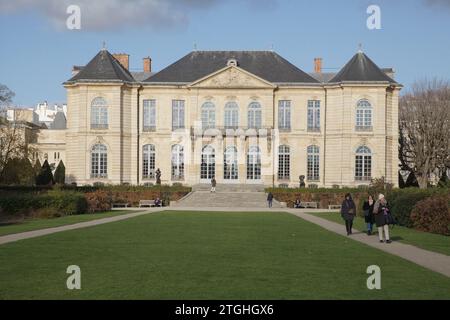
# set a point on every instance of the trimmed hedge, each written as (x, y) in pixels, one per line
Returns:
(62, 202)
(432, 215)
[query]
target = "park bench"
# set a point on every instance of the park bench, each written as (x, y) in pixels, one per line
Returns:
(310, 205)
(120, 205)
(148, 203)
(334, 207)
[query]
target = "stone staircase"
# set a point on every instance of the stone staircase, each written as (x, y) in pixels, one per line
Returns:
(233, 195)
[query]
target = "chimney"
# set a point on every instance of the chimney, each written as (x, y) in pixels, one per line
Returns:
(318, 65)
(123, 58)
(148, 64)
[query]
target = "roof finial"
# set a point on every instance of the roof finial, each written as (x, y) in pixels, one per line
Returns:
(272, 47)
(195, 46)
(360, 50)
(104, 45)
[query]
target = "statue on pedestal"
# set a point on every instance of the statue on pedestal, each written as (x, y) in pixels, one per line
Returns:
(158, 176)
(302, 181)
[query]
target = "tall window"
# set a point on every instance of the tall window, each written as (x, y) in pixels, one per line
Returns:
(284, 163)
(254, 163)
(177, 114)
(148, 161)
(254, 115)
(99, 161)
(177, 162)
(313, 115)
(149, 115)
(230, 164)
(363, 164)
(231, 115)
(208, 115)
(284, 115)
(99, 114)
(208, 165)
(363, 115)
(313, 163)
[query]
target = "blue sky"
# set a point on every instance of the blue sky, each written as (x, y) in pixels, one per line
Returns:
(38, 52)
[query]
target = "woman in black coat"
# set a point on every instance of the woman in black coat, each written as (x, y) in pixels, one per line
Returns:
(368, 214)
(348, 212)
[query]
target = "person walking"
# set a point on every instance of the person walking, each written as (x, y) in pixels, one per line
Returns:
(270, 199)
(348, 212)
(368, 214)
(213, 184)
(381, 211)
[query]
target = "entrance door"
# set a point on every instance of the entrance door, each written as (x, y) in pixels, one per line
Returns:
(230, 165)
(208, 165)
(254, 165)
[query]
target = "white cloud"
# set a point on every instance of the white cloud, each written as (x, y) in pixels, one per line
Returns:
(111, 14)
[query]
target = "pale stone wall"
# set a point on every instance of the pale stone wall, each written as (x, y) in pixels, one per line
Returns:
(337, 139)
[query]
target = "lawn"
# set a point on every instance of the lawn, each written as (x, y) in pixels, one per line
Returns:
(424, 240)
(201, 255)
(35, 224)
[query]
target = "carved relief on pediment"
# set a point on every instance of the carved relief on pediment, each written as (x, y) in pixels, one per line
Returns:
(232, 77)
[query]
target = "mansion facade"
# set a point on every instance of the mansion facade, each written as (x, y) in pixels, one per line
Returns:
(239, 116)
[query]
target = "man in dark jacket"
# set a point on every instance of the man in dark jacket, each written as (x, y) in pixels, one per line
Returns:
(348, 212)
(270, 199)
(213, 184)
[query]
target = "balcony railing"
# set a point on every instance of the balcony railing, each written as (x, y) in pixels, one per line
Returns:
(363, 128)
(231, 131)
(149, 128)
(314, 129)
(366, 178)
(98, 126)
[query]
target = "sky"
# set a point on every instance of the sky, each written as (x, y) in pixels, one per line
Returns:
(37, 50)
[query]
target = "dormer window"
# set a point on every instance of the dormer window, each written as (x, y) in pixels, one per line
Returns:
(232, 63)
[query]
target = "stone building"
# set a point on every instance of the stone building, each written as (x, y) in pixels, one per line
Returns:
(244, 117)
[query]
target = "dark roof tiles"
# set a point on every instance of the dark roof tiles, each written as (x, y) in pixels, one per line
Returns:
(267, 65)
(361, 69)
(103, 67)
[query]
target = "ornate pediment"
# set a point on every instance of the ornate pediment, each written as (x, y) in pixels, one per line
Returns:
(231, 77)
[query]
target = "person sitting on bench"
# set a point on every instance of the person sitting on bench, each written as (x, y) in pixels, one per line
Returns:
(297, 204)
(158, 202)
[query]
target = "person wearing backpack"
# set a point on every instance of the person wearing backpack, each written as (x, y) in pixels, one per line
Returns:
(368, 214)
(381, 212)
(348, 212)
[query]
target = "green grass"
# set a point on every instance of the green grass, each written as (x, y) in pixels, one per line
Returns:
(424, 240)
(201, 255)
(35, 224)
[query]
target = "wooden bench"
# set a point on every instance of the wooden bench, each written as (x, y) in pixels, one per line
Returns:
(309, 205)
(334, 207)
(120, 205)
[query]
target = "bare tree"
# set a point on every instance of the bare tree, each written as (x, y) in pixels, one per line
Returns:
(14, 136)
(425, 129)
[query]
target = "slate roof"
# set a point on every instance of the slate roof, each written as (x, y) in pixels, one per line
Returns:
(267, 65)
(60, 121)
(103, 67)
(361, 69)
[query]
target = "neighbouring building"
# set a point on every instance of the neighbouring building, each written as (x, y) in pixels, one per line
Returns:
(239, 116)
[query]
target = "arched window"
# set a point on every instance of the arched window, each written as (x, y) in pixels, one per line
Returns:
(208, 115)
(99, 114)
(231, 115)
(254, 115)
(363, 115)
(284, 161)
(148, 161)
(177, 162)
(99, 161)
(208, 164)
(313, 160)
(230, 164)
(363, 164)
(254, 163)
